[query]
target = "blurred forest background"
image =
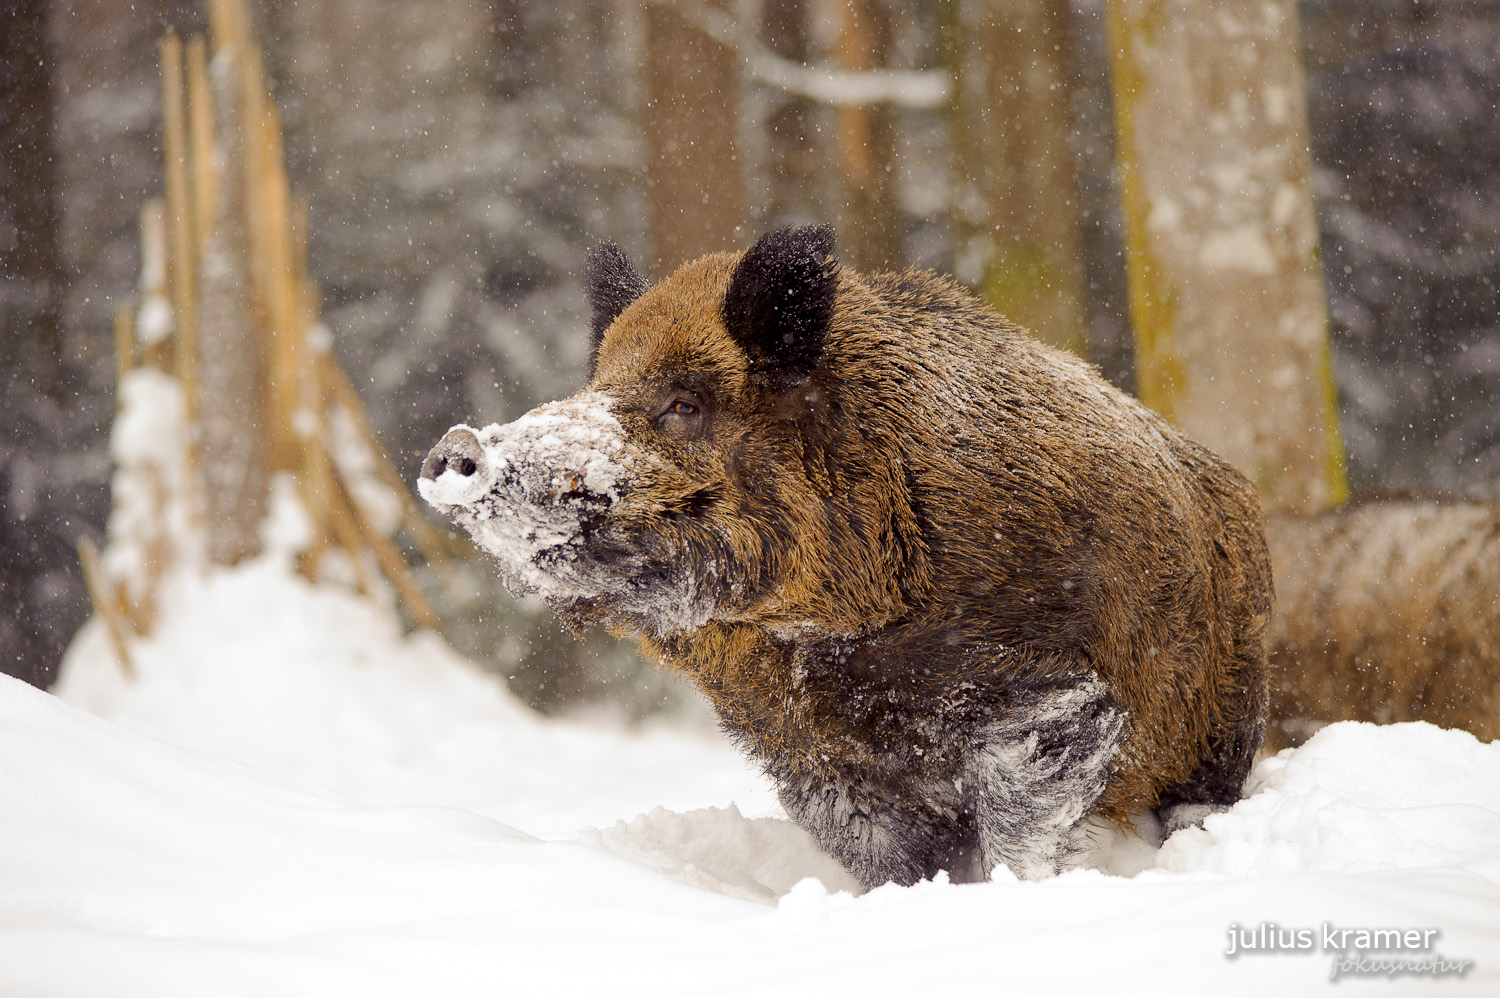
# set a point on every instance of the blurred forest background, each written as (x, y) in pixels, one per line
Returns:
(460, 156)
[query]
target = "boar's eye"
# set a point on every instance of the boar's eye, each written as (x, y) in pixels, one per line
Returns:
(681, 416)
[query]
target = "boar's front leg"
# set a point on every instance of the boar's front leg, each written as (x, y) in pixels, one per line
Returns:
(1033, 775)
(880, 839)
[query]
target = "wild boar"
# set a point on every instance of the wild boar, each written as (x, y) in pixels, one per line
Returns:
(953, 591)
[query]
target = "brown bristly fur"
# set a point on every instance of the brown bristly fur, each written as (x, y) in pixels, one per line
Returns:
(953, 591)
(1387, 610)
(1177, 643)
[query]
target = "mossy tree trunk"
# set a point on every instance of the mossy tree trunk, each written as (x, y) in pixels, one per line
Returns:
(1226, 291)
(1016, 198)
(693, 181)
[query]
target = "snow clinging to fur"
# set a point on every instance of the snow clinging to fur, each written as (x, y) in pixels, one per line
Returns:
(535, 486)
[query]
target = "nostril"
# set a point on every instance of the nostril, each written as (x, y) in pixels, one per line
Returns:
(435, 465)
(458, 451)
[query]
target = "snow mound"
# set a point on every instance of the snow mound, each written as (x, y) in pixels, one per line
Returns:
(132, 867)
(320, 685)
(1358, 797)
(718, 849)
(312, 803)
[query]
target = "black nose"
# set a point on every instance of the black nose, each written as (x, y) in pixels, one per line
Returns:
(458, 451)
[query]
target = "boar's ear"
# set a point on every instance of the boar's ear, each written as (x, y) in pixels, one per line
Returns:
(780, 301)
(612, 285)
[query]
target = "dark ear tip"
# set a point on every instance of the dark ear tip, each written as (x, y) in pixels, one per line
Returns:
(821, 237)
(779, 304)
(605, 254)
(612, 284)
(815, 240)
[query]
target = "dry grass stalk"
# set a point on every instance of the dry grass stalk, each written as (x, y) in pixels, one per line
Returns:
(205, 187)
(223, 259)
(182, 230)
(154, 337)
(125, 358)
(342, 518)
(429, 541)
(228, 23)
(101, 593)
(392, 565)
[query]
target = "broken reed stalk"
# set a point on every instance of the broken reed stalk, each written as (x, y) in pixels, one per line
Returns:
(386, 555)
(101, 594)
(428, 540)
(263, 223)
(201, 138)
(321, 479)
(124, 341)
(183, 251)
(153, 339)
(335, 498)
(225, 256)
(228, 23)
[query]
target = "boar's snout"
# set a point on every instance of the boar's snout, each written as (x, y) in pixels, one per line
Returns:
(458, 451)
(538, 493)
(456, 471)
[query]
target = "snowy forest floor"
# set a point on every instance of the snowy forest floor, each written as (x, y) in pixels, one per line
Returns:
(290, 797)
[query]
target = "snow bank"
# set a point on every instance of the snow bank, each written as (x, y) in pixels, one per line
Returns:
(1358, 797)
(311, 803)
(131, 867)
(320, 685)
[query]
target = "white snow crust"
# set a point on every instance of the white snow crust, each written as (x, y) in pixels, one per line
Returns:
(149, 525)
(294, 798)
(541, 485)
(541, 477)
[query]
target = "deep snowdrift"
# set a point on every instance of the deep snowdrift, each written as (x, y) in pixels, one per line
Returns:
(292, 798)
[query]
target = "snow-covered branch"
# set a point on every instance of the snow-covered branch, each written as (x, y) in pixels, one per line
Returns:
(914, 88)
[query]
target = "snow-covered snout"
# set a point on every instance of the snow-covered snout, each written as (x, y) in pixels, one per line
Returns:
(535, 492)
(576, 509)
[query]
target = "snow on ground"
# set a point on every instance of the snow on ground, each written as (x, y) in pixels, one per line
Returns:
(293, 798)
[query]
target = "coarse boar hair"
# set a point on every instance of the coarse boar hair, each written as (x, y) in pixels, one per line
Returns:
(954, 592)
(1388, 610)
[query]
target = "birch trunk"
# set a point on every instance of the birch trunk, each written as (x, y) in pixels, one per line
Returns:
(1226, 292)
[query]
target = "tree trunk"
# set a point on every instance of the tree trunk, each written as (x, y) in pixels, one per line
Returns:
(866, 143)
(1017, 181)
(796, 170)
(42, 602)
(227, 411)
(1226, 292)
(28, 209)
(693, 181)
